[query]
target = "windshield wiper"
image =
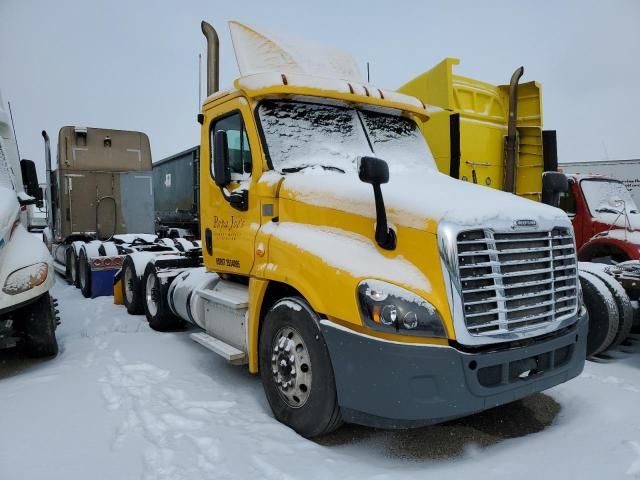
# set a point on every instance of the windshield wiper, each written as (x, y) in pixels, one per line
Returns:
(302, 167)
(608, 210)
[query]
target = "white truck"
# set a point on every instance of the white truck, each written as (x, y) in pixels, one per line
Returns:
(27, 310)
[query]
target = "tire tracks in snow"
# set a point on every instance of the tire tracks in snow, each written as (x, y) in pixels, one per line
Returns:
(175, 428)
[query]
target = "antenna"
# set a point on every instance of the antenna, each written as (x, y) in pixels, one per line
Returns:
(199, 81)
(13, 126)
(368, 77)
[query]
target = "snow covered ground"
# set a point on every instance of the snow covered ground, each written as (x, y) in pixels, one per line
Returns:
(123, 402)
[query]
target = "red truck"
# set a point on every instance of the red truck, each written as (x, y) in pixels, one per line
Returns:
(606, 219)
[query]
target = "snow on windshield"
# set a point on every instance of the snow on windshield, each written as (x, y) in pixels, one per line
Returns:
(301, 135)
(606, 194)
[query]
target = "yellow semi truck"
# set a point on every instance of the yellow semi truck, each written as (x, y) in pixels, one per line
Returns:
(361, 283)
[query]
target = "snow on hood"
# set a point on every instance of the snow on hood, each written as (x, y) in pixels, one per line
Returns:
(415, 198)
(9, 210)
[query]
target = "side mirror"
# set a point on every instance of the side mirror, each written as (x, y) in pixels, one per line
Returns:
(24, 199)
(221, 169)
(30, 180)
(373, 170)
(553, 184)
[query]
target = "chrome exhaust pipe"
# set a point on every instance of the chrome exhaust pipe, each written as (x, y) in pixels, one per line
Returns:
(213, 58)
(47, 160)
(510, 148)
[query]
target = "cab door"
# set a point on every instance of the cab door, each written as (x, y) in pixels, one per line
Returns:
(228, 233)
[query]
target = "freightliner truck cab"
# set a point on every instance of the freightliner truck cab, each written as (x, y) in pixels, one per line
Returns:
(362, 284)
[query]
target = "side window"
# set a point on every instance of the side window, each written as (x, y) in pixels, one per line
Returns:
(239, 150)
(568, 202)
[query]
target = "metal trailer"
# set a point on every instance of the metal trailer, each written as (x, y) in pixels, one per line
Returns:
(176, 185)
(99, 194)
(627, 171)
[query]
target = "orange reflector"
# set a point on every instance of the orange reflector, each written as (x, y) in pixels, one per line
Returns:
(376, 314)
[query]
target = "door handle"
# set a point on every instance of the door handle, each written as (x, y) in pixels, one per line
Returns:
(208, 241)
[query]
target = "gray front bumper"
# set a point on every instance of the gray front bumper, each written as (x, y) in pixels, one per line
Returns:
(394, 385)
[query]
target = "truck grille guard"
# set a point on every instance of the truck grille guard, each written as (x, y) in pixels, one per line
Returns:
(508, 283)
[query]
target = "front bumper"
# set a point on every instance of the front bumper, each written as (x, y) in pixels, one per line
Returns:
(394, 385)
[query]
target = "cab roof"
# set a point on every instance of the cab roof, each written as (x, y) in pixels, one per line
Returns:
(273, 84)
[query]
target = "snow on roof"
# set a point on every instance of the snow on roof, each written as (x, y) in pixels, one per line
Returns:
(261, 51)
(268, 60)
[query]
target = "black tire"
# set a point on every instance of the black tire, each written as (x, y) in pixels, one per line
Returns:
(39, 328)
(603, 313)
(625, 310)
(72, 267)
(156, 305)
(84, 274)
(132, 288)
(316, 412)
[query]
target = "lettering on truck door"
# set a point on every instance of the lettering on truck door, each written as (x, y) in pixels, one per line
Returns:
(229, 232)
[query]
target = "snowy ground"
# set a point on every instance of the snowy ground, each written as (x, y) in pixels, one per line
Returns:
(123, 402)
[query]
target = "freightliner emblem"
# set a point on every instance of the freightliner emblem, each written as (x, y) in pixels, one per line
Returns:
(525, 223)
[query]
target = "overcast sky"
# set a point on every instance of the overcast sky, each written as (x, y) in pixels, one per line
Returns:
(133, 65)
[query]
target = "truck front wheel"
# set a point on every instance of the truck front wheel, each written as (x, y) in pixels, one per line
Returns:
(39, 328)
(296, 370)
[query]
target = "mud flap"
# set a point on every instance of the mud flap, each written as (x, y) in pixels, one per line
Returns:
(117, 288)
(102, 282)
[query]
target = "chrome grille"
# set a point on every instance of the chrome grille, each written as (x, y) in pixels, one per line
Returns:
(517, 280)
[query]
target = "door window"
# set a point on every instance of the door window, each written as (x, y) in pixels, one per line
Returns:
(238, 143)
(568, 202)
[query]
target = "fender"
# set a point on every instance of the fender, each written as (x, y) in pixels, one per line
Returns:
(602, 245)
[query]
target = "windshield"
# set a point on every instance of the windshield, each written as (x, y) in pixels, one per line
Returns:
(607, 196)
(302, 135)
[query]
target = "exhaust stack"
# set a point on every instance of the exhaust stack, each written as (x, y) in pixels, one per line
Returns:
(510, 150)
(47, 159)
(213, 58)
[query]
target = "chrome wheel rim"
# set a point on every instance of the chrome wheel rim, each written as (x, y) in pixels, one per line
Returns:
(128, 284)
(291, 367)
(152, 295)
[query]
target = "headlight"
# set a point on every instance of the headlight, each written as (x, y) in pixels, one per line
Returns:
(393, 309)
(26, 278)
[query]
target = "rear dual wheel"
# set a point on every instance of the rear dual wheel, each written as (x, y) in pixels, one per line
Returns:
(603, 313)
(84, 274)
(156, 304)
(132, 288)
(72, 266)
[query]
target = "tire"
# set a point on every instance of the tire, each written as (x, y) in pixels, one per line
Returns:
(72, 266)
(132, 288)
(625, 310)
(603, 313)
(39, 328)
(156, 306)
(84, 274)
(308, 403)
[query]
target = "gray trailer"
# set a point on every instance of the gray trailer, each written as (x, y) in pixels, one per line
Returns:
(176, 185)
